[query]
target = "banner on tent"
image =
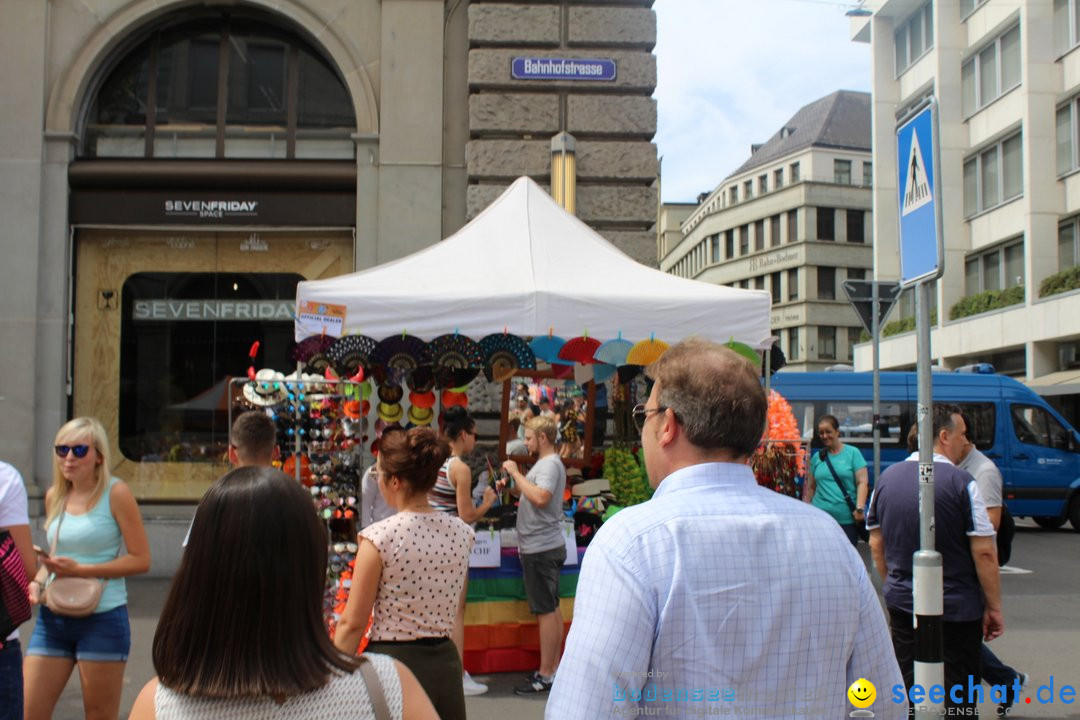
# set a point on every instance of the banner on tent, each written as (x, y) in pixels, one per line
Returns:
(318, 318)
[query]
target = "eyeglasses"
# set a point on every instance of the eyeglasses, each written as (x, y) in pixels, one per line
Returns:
(79, 450)
(640, 413)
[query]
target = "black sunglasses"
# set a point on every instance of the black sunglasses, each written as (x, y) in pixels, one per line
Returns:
(79, 450)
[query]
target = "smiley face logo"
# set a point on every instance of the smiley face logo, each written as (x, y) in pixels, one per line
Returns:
(862, 693)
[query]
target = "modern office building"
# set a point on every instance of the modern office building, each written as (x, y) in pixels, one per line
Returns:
(794, 219)
(170, 169)
(1006, 77)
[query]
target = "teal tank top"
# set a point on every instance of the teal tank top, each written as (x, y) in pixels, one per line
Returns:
(91, 538)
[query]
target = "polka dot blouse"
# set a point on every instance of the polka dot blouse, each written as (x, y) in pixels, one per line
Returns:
(425, 559)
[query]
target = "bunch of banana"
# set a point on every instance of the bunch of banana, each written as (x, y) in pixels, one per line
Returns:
(626, 476)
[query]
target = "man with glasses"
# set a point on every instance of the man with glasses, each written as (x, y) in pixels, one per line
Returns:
(718, 596)
(541, 546)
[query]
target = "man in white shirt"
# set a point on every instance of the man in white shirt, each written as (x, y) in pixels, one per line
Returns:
(988, 479)
(718, 596)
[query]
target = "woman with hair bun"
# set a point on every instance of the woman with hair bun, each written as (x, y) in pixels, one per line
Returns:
(452, 493)
(411, 570)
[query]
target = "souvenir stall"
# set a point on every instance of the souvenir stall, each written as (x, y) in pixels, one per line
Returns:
(524, 289)
(322, 435)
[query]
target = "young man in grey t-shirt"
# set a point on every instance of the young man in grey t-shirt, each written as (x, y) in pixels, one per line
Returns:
(540, 543)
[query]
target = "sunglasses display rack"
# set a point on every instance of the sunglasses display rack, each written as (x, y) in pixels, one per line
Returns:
(323, 433)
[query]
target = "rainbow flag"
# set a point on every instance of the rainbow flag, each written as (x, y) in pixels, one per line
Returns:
(500, 632)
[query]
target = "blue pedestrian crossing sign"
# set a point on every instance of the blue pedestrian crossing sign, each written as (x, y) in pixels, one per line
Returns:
(921, 246)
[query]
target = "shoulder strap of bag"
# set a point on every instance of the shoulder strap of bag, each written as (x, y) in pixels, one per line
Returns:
(56, 539)
(374, 689)
(836, 479)
(59, 522)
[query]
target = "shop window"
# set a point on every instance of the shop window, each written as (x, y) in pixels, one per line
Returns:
(282, 99)
(182, 337)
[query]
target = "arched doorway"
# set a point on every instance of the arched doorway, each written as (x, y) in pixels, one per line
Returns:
(214, 170)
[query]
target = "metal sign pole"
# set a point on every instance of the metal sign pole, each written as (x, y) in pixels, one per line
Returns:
(927, 574)
(922, 253)
(875, 332)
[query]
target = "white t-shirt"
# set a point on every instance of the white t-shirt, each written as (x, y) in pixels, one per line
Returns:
(13, 505)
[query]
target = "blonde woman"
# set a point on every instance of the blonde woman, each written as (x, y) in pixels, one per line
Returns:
(93, 513)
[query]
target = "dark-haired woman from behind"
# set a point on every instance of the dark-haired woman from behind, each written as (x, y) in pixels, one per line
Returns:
(411, 569)
(241, 634)
(452, 494)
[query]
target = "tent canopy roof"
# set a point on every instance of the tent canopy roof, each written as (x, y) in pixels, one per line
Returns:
(528, 267)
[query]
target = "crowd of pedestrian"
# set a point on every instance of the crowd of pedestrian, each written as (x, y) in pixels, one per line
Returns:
(716, 585)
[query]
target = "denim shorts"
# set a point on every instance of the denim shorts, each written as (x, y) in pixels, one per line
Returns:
(101, 637)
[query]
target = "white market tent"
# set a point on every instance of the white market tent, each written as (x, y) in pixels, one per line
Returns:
(526, 266)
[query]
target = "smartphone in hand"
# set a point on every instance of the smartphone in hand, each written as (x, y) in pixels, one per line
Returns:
(44, 555)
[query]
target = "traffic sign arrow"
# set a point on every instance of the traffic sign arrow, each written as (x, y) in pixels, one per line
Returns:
(860, 294)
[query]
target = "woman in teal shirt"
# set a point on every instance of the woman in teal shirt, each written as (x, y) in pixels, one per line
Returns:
(92, 512)
(823, 487)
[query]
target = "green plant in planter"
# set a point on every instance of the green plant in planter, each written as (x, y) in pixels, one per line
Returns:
(904, 325)
(1067, 279)
(986, 301)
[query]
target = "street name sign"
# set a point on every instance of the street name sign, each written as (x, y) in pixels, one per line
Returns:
(921, 243)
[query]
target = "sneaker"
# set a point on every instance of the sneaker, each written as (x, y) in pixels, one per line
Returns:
(534, 685)
(1003, 708)
(472, 687)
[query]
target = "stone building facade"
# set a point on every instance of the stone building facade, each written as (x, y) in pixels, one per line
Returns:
(157, 152)
(511, 121)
